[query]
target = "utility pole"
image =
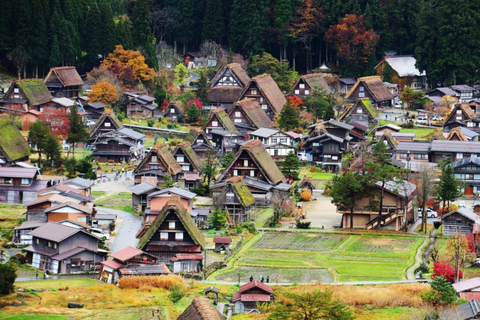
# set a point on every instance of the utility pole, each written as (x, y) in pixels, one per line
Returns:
(457, 258)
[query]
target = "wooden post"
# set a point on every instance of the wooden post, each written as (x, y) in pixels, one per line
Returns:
(457, 258)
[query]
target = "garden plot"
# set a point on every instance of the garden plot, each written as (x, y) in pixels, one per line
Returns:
(305, 258)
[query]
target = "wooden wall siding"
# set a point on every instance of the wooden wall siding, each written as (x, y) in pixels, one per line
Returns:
(299, 91)
(238, 116)
(452, 222)
(164, 227)
(254, 92)
(210, 125)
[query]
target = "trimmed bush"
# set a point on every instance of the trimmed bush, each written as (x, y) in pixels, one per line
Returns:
(164, 282)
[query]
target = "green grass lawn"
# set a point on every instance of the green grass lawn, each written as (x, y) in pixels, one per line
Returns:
(26, 316)
(319, 178)
(323, 257)
(421, 133)
(121, 201)
(262, 217)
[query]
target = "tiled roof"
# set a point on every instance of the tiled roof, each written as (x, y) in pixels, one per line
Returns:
(83, 183)
(253, 284)
(69, 253)
(222, 240)
(16, 172)
(173, 191)
(455, 146)
(132, 133)
(464, 212)
(413, 146)
(142, 188)
(144, 269)
(126, 253)
(84, 209)
(402, 188)
(55, 232)
(467, 285)
(112, 264)
(264, 132)
(186, 256)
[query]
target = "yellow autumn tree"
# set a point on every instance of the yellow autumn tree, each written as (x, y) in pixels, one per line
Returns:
(105, 92)
(128, 66)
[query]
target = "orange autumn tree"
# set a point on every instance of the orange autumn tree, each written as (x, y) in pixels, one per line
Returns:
(295, 102)
(128, 66)
(105, 92)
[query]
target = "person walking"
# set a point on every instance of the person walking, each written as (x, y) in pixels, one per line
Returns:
(268, 279)
(276, 278)
(36, 274)
(251, 278)
(262, 279)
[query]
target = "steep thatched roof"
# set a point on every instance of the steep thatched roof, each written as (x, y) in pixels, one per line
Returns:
(224, 94)
(224, 119)
(165, 156)
(237, 71)
(201, 309)
(107, 113)
(67, 76)
(314, 80)
(261, 156)
(191, 154)
(241, 190)
(365, 104)
(178, 105)
(175, 204)
(457, 134)
(35, 91)
(375, 86)
(307, 182)
(254, 112)
(12, 143)
(271, 91)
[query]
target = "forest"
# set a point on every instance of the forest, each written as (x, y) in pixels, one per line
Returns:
(351, 36)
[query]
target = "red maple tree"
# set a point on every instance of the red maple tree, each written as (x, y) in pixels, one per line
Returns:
(444, 269)
(57, 120)
(295, 102)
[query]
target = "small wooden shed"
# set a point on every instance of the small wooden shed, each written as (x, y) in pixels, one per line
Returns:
(222, 243)
(459, 220)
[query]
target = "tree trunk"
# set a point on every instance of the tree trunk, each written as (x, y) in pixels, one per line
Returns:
(351, 217)
(284, 51)
(39, 160)
(381, 205)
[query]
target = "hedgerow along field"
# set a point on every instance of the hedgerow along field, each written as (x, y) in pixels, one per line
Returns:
(322, 257)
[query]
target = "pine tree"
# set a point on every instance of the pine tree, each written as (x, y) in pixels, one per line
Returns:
(108, 27)
(77, 132)
(202, 87)
(123, 34)
(37, 135)
(193, 114)
(290, 165)
(288, 118)
(94, 33)
(55, 58)
(226, 159)
(141, 23)
(448, 189)
(213, 25)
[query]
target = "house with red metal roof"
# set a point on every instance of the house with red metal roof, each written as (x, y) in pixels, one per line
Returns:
(468, 289)
(222, 243)
(249, 294)
(186, 262)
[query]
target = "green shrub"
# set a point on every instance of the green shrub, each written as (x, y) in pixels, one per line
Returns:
(303, 225)
(408, 125)
(199, 191)
(7, 277)
(177, 292)
(150, 122)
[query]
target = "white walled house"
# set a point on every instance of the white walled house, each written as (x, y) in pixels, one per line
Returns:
(277, 143)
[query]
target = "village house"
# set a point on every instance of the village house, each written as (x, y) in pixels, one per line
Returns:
(362, 111)
(461, 134)
(250, 294)
(307, 184)
(462, 115)
(118, 146)
(345, 84)
(267, 93)
(468, 171)
(158, 199)
(68, 191)
(413, 151)
(191, 165)
(63, 82)
(222, 243)
(247, 116)
(200, 216)
(20, 185)
(226, 86)
(460, 220)
(201, 309)
(259, 172)
(106, 123)
(140, 193)
(397, 208)
(200, 143)
(224, 141)
(140, 106)
(469, 290)
(396, 136)
(94, 110)
(62, 103)
(372, 88)
(21, 233)
(13, 147)
(70, 211)
(465, 311)
(29, 118)
(235, 198)
(173, 232)
(62, 249)
(402, 71)
(305, 84)
(155, 165)
(219, 120)
(277, 143)
(186, 263)
(173, 111)
(464, 92)
(130, 261)
(36, 208)
(23, 95)
(84, 186)
(358, 132)
(455, 150)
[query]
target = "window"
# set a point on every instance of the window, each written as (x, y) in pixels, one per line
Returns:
(171, 225)
(418, 156)
(16, 90)
(253, 91)
(459, 155)
(283, 140)
(274, 140)
(6, 180)
(261, 99)
(37, 241)
(297, 91)
(359, 110)
(199, 141)
(180, 158)
(108, 124)
(229, 197)
(361, 88)
(275, 152)
(55, 246)
(235, 172)
(81, 219)
(163, 235)
(264, 106)
(245, 163)
(470, 124)
(25, 181)
(403, 156)
(252, 173)
(214, 123)
(16, 96)
(361, 94)
(153, 166)
(307, 92)
(302, 86)
(459, 111)
(238, 114)
(458, 118)
(469, 176)
(237, 120)
(179, 236)
(49, 244)
(172, 110)
(154, 159)
(186, 167)
(334, 157)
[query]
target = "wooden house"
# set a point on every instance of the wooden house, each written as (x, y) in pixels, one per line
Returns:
(84, 186)
(235, 198)
(191, 164)
(20, 185)
(13, 146)
(345, 84)
(462, 134)
(36, 208)
(358, 132)
(140, 192)
(107, 122)
(372, 88)
(247, 116)
(465, 311)
(462, 115)
(23, 95)
(468, 171)
(222, 243)
(397, 207)
(29, 118)
(174, 110)
(265, 90)
(219, 120)
(63, 82)
(460, 220)
(468, 290)
(70, 211)
(158, 199)
(139, 106)
(403, 72)
(362, 111)
(415, 150)
(21, 233)
(172, 232)
(200, 143)
(201, 309)
(455, 150)
(250, 294)
(118, 146)
(226, 86)
(200, 216)
(463, 92)
(155, 165)
(305, 85)
(94, 110)
(186, 263)
(224, 141)
(63, 249)
(129, 262)
(277, 143)
(259, 172)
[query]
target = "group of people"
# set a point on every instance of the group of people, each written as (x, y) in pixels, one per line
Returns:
(51, 183)
(262, 279)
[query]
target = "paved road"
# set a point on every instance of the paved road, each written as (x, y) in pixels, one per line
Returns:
(127, 225)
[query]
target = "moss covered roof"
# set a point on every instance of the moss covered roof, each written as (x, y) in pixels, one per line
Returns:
(225, 120)
(35, 91)
(12, 143)
(254, 112)
(242, 191)
(191, 154)
(365, 103)
(108, 113)
(370, 108)
(261, 156)
(175, 204)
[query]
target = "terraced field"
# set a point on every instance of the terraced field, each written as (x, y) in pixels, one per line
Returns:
(305, 258)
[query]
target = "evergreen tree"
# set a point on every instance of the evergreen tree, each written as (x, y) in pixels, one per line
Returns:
(123, 34)
(193, 114)
(8, 274)
(141, 23)
(202, 87)
(94, 34)
(218, 219)
(55, 58)
(288, 118)
(448, 188)
(226, 159)
(77, 132)
(168, 181)
(290, 165)
(347, 189)
(37, 136)
(213, 25)
(53, 150)
(377, 20)
(108, 28)
(150, 54)
(329, 113)
(38, 41)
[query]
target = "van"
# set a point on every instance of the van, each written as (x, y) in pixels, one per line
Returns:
(422, 120)
(99, 233)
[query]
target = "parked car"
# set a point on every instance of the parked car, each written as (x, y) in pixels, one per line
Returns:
(89, 123)
(422, 121)
(65, 146)
(461, 204)
(302, 156)
(99, 233)
(437, 118)
(430, 213)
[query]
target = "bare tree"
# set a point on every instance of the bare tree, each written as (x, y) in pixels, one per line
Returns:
(282, 205)
(425, 181)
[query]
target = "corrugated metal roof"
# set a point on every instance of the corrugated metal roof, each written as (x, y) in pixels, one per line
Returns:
(142, 188)
(126, 253)
(64, 102)
(54, 232)
(79, 182)
(174, 190)
(467, 285)
(462, 87)
(404, 66)
(455, 146)
(413, 146)
(132, 133)
(464, 212)
(264, 132)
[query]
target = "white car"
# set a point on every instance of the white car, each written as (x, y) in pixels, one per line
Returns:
(430, 213)
(89, 123)
(99, 233)
(461, 204)
(422, 121)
